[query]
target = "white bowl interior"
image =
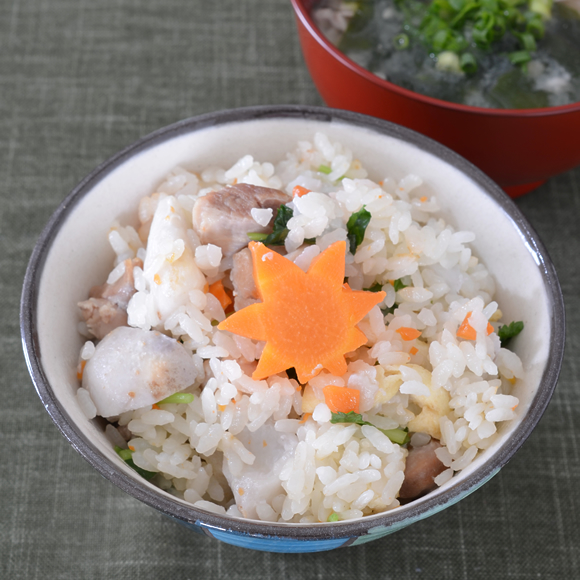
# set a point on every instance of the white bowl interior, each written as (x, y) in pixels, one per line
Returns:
(80, 256)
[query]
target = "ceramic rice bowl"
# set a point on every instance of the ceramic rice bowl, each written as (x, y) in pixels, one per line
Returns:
(72, 255)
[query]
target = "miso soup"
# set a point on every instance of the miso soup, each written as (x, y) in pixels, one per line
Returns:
(512, 54)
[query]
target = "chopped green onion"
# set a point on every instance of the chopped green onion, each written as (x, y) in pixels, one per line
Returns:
(467, 63)
(325, 169)
(124, 454)
(333, 517)
(520, 57)
(257, 236)
(535, 26)
(451, 26)
(440, 40)
(177, 398)
(398, 436)
(127, 456)
(528, 41)
(401, 41)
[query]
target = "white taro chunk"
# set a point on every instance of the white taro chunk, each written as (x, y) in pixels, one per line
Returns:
(133, 368)
(170, 267)
(259, 481)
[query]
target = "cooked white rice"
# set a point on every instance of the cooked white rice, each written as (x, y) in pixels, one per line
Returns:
(290, 466)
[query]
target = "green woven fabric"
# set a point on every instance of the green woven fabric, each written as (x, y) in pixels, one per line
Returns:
(79, 80)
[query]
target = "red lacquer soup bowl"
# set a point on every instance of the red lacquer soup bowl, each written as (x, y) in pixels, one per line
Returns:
(519, 149)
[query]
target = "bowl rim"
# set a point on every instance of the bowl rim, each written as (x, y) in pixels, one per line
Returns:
(173, 507)
(303, 14)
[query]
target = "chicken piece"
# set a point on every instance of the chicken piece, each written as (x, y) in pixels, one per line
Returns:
(224, 218)
(132, 368)
(242, 277)
(102, 316)
(106, 308)
(421, 468)
(119, 292)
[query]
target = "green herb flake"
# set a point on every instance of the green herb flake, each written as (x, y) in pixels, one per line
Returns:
(333, 517)
(279, 230)
(356, 228)
(398, 436)
(376, 287)
(508, 331)
(324, 169)
(399, 285)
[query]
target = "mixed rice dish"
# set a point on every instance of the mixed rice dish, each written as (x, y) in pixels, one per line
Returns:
(296, 343)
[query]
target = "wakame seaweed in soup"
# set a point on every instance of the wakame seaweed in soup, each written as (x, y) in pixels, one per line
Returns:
(512, 54)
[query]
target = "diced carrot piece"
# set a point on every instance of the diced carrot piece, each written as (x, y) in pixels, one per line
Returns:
(305, 417)
(155, 406)
(408, 333)
(218, 290)
(468, 332)
(341, 399)
(414, 350)
(299, 191)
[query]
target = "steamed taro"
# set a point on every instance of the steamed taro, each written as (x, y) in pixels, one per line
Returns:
(328, 352)
(509, 54)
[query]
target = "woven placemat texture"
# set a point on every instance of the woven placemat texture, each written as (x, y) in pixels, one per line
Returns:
(80, 80)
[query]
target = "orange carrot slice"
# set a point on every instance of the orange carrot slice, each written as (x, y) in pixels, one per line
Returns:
(306, 318)
(218, 290)
(408, 333)
(299, 191)
(341, 399)
(468, 332)
(414, 350)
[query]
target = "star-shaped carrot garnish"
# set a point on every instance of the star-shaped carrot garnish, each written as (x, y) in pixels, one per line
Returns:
(306, 318)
